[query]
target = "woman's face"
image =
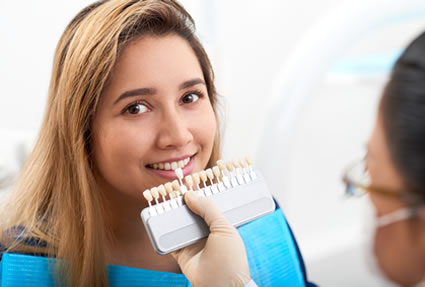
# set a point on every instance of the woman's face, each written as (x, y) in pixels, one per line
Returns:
(400, 246)
(154, 113)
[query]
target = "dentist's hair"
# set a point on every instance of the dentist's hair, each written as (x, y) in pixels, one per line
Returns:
(403, 110)
(56, 208)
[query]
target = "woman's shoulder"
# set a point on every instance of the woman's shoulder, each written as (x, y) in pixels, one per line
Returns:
(23, 242)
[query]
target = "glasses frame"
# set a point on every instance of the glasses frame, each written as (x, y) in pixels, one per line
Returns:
(408, 197)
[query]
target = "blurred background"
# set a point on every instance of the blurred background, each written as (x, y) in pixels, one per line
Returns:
(299, 83)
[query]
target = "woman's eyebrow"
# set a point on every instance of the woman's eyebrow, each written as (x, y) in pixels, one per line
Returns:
(150, 91)
(136, 92)
(191, 83)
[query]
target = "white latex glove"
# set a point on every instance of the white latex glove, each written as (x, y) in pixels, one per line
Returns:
(220, 260)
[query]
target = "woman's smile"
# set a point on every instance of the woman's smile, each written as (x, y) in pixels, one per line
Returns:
(166, 168)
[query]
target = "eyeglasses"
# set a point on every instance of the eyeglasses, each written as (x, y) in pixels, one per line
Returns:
(357, 182)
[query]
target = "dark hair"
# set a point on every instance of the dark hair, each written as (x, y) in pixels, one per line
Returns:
(403, 110)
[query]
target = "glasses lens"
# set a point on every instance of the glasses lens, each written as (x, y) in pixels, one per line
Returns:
(359, 174)
(357, 179)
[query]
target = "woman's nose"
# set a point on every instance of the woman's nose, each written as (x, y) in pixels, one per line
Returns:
(174, 131)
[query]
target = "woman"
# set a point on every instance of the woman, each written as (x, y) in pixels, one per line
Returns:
(132, 93)
(392, 174)
(131, 88)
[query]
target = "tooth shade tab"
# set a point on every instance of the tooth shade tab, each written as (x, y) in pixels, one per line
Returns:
(179, 173)
(161, 190)
(210, 174)
(176, 185)
(169, 187)
(248, 160)
(216, 171)
(174, 165)
(154, 192)
(242, 164)
(235, 163)
(229, 166)
(203, 176)
(188, 179)
(196, 178)
(148, 196)
(221, 165)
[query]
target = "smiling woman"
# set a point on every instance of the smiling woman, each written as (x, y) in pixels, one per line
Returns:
(131, 97)
(153, 115)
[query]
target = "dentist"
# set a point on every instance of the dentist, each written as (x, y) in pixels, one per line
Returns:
(392, 175)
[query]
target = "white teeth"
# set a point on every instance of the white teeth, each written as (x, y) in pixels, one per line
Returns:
(171, 165)
(181, 164)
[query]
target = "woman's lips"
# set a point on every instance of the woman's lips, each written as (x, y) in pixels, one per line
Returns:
(170, 174)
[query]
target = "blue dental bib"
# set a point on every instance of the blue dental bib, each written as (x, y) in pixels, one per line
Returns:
(272, 255)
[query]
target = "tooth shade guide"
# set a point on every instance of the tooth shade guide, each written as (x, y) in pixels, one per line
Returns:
(247, 202)
(227, 175)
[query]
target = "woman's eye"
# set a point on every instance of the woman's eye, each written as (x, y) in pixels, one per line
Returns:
(136, 109)
(190, 98)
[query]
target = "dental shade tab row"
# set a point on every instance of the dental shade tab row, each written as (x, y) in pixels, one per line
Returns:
(220, 178)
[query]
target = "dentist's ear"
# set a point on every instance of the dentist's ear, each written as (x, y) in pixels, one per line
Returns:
(220, 260)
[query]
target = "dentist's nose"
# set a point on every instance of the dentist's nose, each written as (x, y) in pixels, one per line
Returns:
(174, 131)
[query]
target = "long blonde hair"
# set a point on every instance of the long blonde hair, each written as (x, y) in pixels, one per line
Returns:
(56, 204)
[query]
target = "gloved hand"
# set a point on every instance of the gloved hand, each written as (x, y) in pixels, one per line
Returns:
(220, 260)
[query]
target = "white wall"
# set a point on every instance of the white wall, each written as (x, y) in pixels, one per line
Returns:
(248, 42)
